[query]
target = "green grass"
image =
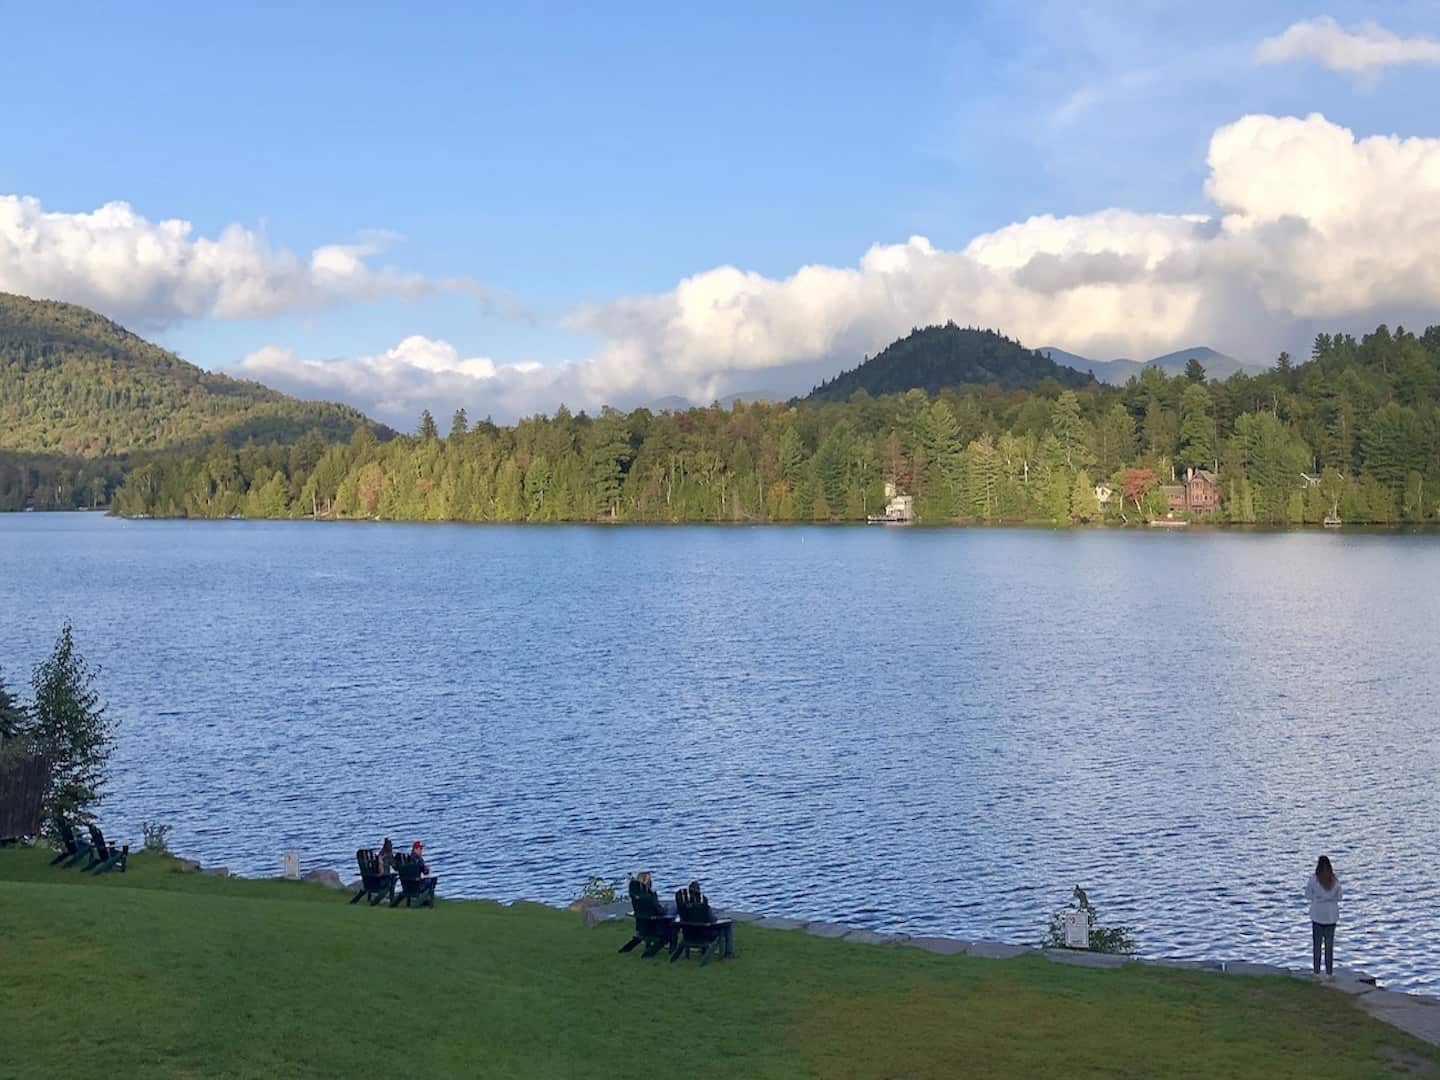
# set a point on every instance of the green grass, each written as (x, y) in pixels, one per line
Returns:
(163, 974)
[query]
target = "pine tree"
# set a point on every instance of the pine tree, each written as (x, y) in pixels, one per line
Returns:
(428, 430)
(70, 730)
(1197, 429)
(460, 424)
(13, 716)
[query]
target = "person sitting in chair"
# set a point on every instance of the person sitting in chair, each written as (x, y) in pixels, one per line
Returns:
(699, 906)
(417, 851)
(646, 882)
(387, 856)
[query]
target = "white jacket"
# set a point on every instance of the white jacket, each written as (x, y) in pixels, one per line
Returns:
(1324, 903)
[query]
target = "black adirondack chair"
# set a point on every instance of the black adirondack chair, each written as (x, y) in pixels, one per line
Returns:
(374, 881)
(654, 926)
(699, 929)
(416, 888)
(72, 849)
(104, 857)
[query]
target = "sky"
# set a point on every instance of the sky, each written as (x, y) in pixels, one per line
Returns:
(508, 209)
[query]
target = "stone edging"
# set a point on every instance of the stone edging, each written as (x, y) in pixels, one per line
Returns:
(1415, 1014)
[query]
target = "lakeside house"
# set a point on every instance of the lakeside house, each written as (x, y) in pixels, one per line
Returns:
(899, 509)
(1199, 494)
(1103, 494)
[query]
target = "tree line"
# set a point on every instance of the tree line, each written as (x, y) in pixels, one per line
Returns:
(1355, 430)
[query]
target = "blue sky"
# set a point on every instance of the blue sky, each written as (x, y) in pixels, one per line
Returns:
(560, 160)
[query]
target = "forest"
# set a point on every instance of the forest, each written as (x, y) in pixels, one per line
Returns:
(1354, 429)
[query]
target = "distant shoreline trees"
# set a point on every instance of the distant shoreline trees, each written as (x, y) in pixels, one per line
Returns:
(1356, 429)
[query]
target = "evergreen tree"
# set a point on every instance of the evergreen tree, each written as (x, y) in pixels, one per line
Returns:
(13, 719)
(460, 424)
(70, 730)
(1084, 507)
(1194, 371)
(428, 430)
(1197, 429)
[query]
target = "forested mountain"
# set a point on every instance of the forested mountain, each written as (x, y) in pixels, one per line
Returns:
(78, 391)
(948, 357)
(1356, 429)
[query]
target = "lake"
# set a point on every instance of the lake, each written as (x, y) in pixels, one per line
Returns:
(936, 731)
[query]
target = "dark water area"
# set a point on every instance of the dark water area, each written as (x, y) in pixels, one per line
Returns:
(935, 731)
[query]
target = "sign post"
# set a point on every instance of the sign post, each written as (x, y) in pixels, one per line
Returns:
(1077, 930)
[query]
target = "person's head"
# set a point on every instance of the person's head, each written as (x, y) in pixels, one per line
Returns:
(1324, 872)
(416, 848)
(646, 878)
(387, 847)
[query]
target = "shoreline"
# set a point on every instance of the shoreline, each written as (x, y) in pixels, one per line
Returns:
(1158, 527)
(1413, 1012)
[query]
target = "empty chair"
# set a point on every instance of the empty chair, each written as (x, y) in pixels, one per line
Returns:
(654, 926)
(699, 928)
(417, 889)
(104, 857)
(374, 881)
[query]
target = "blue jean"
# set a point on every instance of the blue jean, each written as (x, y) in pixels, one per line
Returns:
(1323, 934)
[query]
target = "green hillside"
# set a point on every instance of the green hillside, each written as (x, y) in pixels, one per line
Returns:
(946, 358)
(79, 394)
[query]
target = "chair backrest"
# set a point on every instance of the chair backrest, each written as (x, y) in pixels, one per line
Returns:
(369, 862)
(98, 839)
(410, 867)
(692, 906)
(644, 902)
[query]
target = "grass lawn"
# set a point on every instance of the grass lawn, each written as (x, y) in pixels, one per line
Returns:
(158, 973)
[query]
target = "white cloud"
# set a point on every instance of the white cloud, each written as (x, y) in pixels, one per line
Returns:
(1315, 227)
(153, 272)
(1363, 50)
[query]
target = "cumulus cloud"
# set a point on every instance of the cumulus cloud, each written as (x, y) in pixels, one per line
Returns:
(1312, 227)
(1362, 50)
(153, 272)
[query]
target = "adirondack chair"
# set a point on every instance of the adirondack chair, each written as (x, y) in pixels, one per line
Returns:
(699, 929)
(416, 889)
(73, 849)
(654, 926)
(104, 857)
(374, 881)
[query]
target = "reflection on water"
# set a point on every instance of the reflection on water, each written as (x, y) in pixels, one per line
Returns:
(931, 731)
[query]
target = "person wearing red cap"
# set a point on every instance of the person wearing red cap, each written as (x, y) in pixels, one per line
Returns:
(417, 849)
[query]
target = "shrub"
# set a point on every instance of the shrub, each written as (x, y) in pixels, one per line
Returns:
(1105, 939)
(157, 837)
(600, 890)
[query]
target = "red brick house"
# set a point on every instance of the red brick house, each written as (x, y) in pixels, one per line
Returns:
(1199, 494)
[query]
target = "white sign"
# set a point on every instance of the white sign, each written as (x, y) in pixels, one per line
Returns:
(292, 864)
(1077, 930)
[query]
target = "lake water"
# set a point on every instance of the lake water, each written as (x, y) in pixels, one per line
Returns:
(935, 731)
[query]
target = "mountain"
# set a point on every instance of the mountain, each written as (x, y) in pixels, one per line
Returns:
(944, 357)
(1116, 372)
(74, 383)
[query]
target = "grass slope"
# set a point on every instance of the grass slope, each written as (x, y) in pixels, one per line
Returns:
(163, 974)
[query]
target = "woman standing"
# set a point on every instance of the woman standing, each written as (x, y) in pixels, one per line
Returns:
(1323, 892)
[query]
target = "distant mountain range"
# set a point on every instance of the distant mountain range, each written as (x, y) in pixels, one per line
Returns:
(676, 403)
(1117, 372)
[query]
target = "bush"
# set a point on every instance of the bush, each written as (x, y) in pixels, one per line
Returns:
(157, 837)
(600, 890)
(1105, 939)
